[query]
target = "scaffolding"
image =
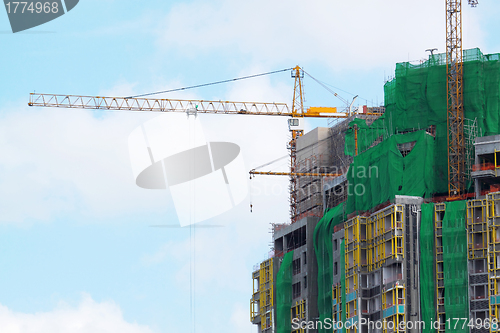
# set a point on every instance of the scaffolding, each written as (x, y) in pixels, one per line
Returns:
(309, 188)
(471, 132)
(439, 210)
(340, 160)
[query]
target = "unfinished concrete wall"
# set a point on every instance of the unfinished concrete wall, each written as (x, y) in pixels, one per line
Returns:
(313, 155)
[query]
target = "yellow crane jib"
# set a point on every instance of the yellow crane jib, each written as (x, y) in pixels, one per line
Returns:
(315, 111)
(158, 105)
(297, 174)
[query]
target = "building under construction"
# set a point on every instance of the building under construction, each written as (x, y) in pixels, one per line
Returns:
(386, 246)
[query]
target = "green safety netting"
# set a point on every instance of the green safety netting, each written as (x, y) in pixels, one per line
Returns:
(284, 294)
(456, 297)
(380, 173)
(367, 135)
(427, 278)
(416, 99)
(324, 256)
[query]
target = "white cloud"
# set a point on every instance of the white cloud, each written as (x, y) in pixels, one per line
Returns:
(88, 317)
(340, 34)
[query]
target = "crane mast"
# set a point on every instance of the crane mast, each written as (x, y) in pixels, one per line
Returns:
(297, 111)
(454, 98)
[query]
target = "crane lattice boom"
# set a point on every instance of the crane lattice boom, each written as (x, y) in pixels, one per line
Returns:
(177, 105)
(455, 99)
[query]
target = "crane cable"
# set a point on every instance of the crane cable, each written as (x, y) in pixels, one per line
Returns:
(276, 160)
(329, 90)
(211, 83)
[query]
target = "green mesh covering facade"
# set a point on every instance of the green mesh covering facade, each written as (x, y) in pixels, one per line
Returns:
(324, 256)
(427, 278)
(415, 117)
(342, 283)
(456, 291)
(366, 134)
(284, 295)
(416, 99)
(380, 173)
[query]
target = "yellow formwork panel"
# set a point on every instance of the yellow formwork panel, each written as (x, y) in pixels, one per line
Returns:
(476, 211)
(266, 293)
(386, 229)
(352, 308)
(372, 251)
(370, 241)
(493, 238)
(354, 233)
(351, 234)
(494, 253)
(380, 237)
(337, 301)
(350, 230)
(364, 244)
(336, 293)
(351, 283)
(389, 219)
(351, 311)
(351, 330)
(493, 202)
(392, 324)
(298, 311)
(394, 297)
(477, 229)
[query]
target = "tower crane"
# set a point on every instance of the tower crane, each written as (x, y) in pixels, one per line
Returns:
(454, 98)
(193, 107)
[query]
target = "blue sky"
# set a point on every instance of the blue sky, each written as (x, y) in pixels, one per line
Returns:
(77, 250)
